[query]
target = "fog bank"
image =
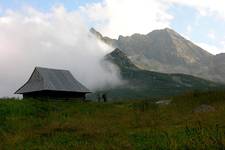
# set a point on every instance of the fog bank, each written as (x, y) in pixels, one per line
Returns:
(55, 39)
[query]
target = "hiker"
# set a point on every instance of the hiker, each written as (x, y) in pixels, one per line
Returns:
(104, 97)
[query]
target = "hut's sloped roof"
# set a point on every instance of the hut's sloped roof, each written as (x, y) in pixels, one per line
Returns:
(53, 80)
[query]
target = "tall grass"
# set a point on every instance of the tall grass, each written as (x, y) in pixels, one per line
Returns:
(32, 124)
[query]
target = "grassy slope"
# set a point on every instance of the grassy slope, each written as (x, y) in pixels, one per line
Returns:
(30, 124)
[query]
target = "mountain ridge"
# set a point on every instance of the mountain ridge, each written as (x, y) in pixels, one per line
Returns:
(141, 83)
(167, 51)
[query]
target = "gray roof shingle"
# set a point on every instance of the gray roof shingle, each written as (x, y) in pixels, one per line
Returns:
(53, 80)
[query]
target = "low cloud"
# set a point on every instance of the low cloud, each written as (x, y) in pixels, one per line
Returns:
(125, 17)
(56, 39)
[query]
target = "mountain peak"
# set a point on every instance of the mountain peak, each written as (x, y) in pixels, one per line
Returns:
(107, 40)
(166, 51)
(168, 30)
(117, 51)
(96, 33)
(120, 58)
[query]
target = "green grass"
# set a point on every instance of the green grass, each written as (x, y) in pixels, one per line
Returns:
(32, 124)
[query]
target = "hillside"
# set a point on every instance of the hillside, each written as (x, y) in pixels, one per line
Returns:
(143, 83)
(32, 124)
(167, 51)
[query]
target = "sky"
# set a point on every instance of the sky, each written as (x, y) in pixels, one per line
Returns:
(202, 21)
(54, 33)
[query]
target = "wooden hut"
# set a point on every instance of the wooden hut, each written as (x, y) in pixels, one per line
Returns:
(46, 83)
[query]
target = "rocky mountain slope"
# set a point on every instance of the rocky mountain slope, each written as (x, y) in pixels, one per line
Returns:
(217, 68)
(168, 52)
(142, 83)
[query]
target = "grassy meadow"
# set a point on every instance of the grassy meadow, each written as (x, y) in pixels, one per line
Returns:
(134, 124)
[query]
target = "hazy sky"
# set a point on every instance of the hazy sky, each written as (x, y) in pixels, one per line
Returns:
(202, 21)
(54, 33)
